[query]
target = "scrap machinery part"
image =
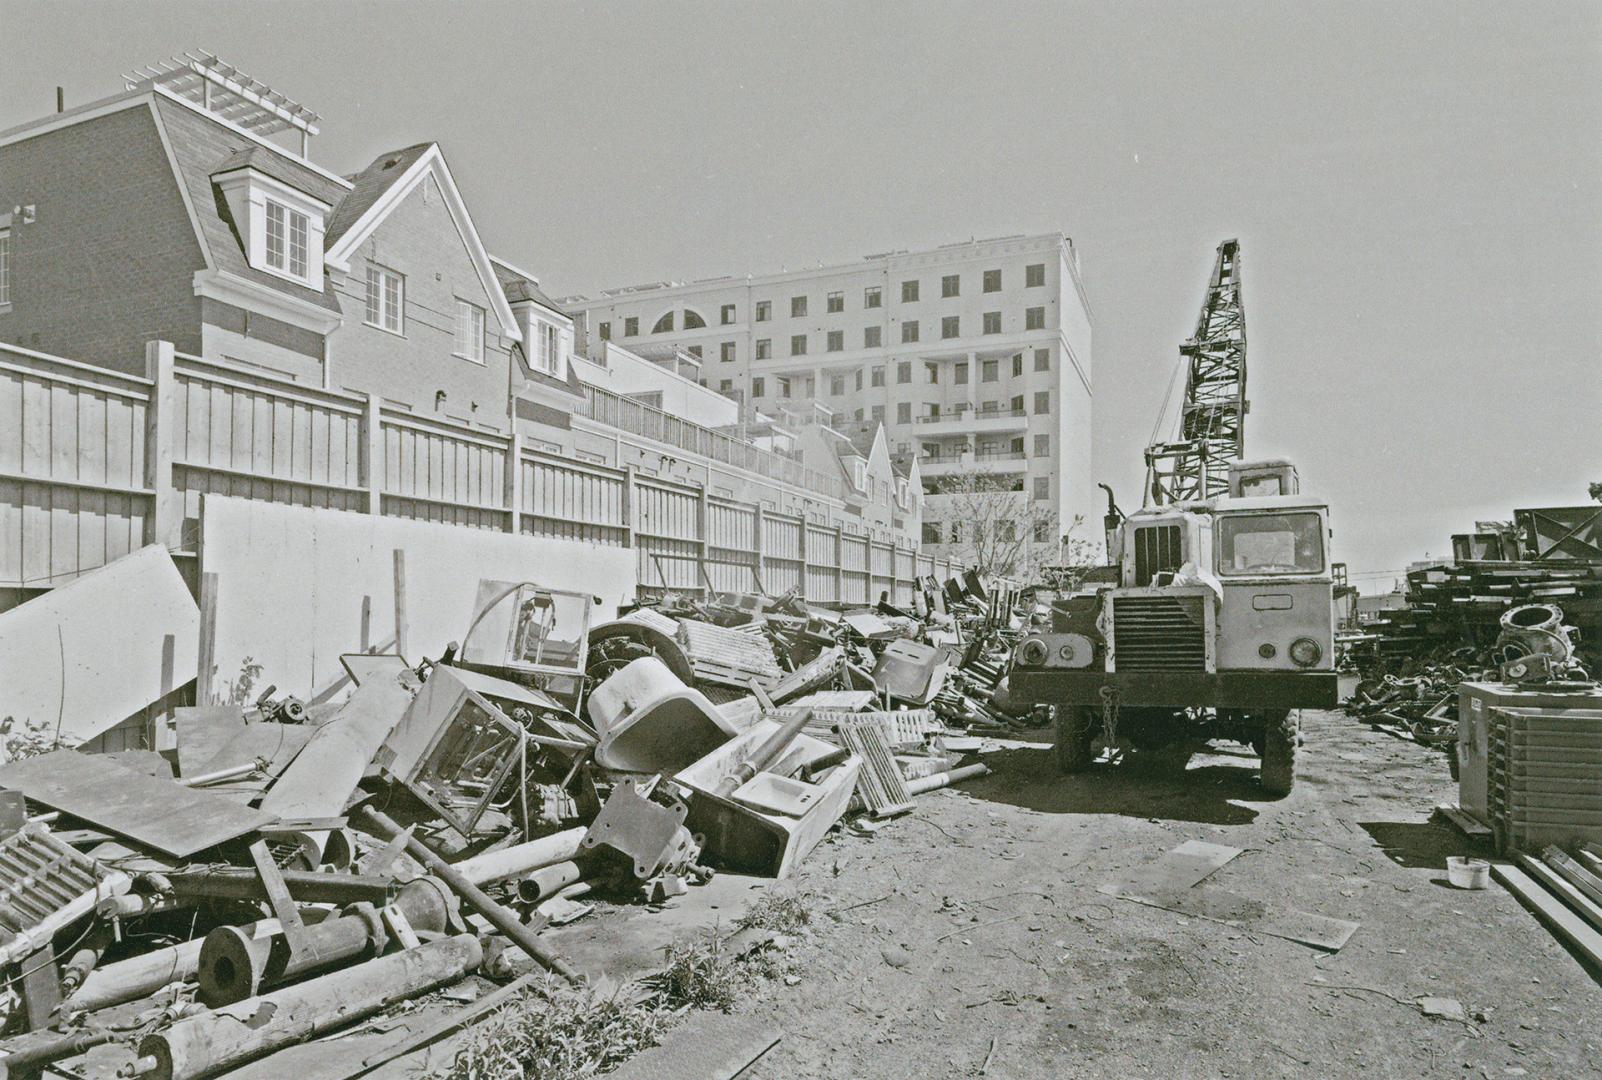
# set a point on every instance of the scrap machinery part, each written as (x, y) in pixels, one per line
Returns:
(1212, 423)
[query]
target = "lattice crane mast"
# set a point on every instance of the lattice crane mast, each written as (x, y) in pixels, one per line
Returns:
(1212, 418)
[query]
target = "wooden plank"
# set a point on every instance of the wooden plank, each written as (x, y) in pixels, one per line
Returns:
(1230, 909)
(1557, 917)
(157, 814)
(1563, 889)
(1471, 828)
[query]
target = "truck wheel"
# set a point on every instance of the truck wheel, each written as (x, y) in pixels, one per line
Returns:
(1075, 736)
(1279, 753)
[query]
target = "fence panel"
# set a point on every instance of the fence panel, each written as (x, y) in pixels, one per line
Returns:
(448, 475)
(569, 502)
(258, 439)
(72, 468)
(854, 570)
(822, 585)
(782, 556)
(731, 556)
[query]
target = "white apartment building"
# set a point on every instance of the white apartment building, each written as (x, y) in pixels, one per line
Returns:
(976, 356)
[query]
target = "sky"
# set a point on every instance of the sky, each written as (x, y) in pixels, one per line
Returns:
(1414, 186)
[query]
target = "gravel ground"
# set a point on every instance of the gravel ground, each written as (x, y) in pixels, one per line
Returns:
(971, 931)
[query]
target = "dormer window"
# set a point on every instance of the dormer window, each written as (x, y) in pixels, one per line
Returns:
(282, 227)
(859, 474)
(545, 348)
(286, 239)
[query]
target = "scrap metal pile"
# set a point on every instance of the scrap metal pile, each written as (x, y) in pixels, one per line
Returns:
(279, 870)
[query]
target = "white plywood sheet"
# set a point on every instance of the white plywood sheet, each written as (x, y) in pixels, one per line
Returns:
(297, 587)
(82, 658)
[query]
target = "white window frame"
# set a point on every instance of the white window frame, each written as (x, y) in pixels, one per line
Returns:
(469, 332)
(379, 310)
(252, 196)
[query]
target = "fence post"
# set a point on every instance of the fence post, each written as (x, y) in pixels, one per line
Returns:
(513, 487)
(165, 524)
(839, 564)
(372, 464)
(757, 529)
(703, 517)
(629, 500)
(806, 574)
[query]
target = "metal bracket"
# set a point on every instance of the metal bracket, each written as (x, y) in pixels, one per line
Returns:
(642, 830)
(283, 905)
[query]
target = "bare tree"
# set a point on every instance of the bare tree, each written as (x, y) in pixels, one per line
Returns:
(996, 528)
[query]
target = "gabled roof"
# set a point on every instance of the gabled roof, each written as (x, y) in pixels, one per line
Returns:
(519, 286)
(369, 185)
(390, 193)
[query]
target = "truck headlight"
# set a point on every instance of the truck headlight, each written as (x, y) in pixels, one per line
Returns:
(1032, 653)
(1306, 652)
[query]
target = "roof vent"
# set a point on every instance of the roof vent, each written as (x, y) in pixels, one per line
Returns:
(390, 163)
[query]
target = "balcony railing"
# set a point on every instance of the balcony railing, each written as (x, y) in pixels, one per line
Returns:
(638, 418)
(957, 457)
(973, 414)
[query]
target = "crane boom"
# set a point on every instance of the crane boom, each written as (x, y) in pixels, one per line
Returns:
(1212, 421)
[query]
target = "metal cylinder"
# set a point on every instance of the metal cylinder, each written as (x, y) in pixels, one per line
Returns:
(520, 859)
(223, 1039)
(548, 881)
(307, 887)
(939, 780)
(142, 975)
(235, 965)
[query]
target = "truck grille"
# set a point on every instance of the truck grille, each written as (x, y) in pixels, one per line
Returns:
(1159, 633)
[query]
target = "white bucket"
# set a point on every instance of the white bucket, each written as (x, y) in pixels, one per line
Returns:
(1467, 873)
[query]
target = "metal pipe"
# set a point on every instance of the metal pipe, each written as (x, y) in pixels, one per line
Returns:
(520, 859)
(239, 883)
(235, 965)
(944, 779)
(220, 1040)
(503, 920)
(140, 976)
(548, 881)
(764, 755)
(233, 773)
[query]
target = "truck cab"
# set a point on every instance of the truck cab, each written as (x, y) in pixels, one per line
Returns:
(1220, 622)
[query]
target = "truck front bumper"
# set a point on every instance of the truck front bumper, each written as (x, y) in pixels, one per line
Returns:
(1222, 689)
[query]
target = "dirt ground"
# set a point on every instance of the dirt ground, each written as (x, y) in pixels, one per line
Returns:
(972, 930)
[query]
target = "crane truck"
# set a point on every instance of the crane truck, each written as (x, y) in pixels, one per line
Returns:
(1215, 618)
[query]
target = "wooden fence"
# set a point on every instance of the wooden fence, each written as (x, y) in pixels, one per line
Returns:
(95, 463)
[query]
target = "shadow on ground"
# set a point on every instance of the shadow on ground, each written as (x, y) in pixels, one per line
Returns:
(1029, 778)
(1418, 844)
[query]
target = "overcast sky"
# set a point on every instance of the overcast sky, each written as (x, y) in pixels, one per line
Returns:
(1415, 186)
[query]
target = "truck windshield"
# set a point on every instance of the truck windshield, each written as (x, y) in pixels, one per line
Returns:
(1271, 544)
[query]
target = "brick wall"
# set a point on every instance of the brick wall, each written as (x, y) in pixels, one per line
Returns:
(419, 240)
(108, 262)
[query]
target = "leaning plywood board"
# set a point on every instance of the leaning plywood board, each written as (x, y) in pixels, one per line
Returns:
(298, 587)
(80, 659)
(158, 814)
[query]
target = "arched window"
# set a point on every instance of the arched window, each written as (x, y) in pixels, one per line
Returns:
(693, 320)
(664, 324)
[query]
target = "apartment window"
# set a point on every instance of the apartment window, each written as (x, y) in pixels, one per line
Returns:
(951, 326)
(386, 292)
(859, 416)
(1042, 359)
(798, 344)
(992, 322)
(664, 324)
(904, 413)
(693, 320)
(932, 373)
(1017, 448)
(1042, 488)
(757, 388)
(725, 386)
(992, 281)
(836, 341)
(764, 310)
(1017, 365)
(990, 370)
(470, 331)
(1043, 530)
(951, 285)
(726, 351)
(859, 386)
(1017, 408)
(695, 351)
(1034, 275)
(1042, 402)
(545, 346)
(931, 532)
(606, 331)
(904, 372)
(909, 330)
(960, 374)
(872, 297)
(798, 306)
(1042, 446)
(784, 387)
(878, 375)
(835, 302)
(878, 412)
(1006, 531)
(909, 292)
(871, 338)
(5, 267)
(1034, 318)
(288, 234)
(837, 385)
(764, 348)
(727, 315)
(631, 326)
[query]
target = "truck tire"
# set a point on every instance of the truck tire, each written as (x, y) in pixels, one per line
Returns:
(1075, 738)
(1279, 753)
